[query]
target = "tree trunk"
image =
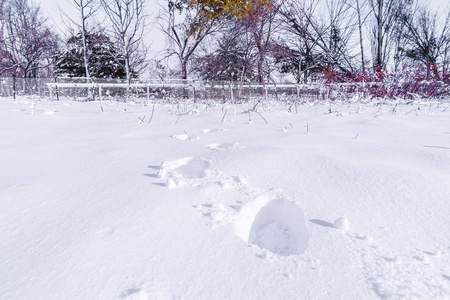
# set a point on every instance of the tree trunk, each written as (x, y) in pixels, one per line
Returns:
(85, 50)
(360, 36)
(379, 62)
(184, 69)
(260, 68)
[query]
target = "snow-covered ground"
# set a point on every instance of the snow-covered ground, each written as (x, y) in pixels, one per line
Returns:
(97, 204)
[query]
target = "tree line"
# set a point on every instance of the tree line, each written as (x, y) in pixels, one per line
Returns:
(224, 40)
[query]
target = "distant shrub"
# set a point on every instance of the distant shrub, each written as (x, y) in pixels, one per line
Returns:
(424, 81)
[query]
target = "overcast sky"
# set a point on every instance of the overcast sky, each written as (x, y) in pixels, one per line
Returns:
(51, 8)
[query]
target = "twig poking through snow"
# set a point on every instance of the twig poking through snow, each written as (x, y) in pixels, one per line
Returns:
(394, 109)
(416, 110)
(34, 107)
(153, 111)
(254, 107)
(141, 120)
(294, 103)
(410, 111)
(431, 111)
(262, 117)
(224, 115)
(356, 137)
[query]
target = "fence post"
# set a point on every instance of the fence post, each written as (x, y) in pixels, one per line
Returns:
(14, 87)
(231, 91)
(211, 90)
(56, 89)
(223, 91)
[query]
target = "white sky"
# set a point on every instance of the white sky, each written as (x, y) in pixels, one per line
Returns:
(154, 38)
(51, 9)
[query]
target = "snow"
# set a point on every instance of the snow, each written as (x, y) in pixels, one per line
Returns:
(97, 204)
(341, 223)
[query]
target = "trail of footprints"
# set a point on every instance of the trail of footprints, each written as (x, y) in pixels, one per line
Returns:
(264, 219)
(276, 225)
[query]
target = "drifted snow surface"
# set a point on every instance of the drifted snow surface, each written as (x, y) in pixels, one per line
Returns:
(96, 203)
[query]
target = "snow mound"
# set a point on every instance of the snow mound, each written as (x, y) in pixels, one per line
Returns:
(341, 223)
(280, 228)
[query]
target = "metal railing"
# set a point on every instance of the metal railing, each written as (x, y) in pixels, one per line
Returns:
(84, 89)
(175, 88)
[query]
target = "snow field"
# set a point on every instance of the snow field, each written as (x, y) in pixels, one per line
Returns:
(96, 204)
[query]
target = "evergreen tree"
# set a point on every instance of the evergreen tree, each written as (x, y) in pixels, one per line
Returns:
(102, 57)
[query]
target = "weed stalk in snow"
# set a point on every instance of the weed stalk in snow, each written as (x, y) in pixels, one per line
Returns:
(153, 111)
(224, 115)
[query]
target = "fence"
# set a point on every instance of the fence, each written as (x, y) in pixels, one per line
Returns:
(177, 89)
(13, 86)
(83, 89)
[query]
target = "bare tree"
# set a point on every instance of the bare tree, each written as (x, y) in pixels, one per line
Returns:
(337, 28)
(360, 26)
(386, 15)
(425, 41)
(128, 21)
(186, 27)
(298, 56)
(260, 23)
(233, 59)
(359, 7)
(86, 9)
(321, 42)
(28, 44)
(2, 27)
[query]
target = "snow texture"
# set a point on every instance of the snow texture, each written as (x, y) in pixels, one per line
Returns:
(97, 204)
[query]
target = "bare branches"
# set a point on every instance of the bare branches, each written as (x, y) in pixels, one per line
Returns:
(86, 10)
(127, 22)
(425, 40)
(27, 43)
(179, 22)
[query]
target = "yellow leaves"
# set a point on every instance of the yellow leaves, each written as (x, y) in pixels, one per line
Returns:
(213, 9)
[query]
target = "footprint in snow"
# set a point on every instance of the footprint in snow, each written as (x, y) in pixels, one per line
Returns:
(177, 171)
(221, 147)
(184, 137)
(142, 294)
(215, 213)
(105, 232)
(278, 226)
(213, 130)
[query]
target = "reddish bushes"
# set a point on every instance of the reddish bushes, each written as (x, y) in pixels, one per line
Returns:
(407, 83)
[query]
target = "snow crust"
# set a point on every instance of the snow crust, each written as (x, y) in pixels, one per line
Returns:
(96, 203)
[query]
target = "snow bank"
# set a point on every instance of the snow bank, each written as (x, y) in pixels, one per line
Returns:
(97, 204)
